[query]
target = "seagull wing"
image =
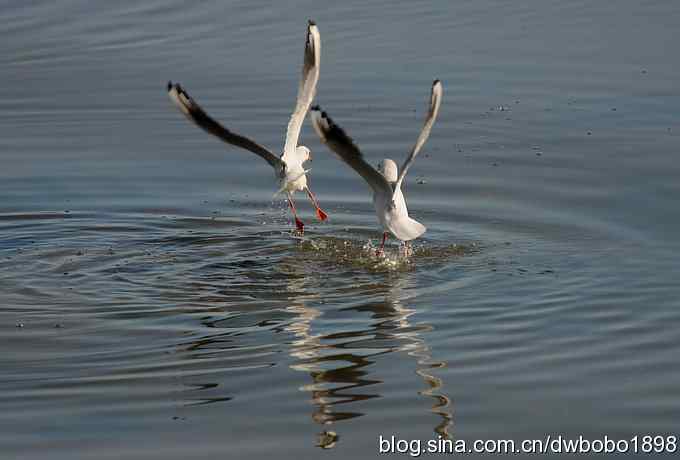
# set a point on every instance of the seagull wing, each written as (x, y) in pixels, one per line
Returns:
(306, 91)
(195, 113)
(343, 146)
(435, 101)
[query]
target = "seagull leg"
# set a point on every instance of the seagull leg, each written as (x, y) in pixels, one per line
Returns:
(319, 212)
(298, 223)
(407, 249)
(382, 245)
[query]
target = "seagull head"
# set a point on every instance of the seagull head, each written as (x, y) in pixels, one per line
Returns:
(388, 168)
(303, 153)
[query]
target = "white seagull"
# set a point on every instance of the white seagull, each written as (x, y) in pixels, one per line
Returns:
(388, 198)
(288, 168)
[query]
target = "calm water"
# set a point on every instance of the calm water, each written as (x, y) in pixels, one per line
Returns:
(153, 303)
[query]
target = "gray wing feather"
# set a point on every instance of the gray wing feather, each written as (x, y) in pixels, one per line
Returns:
(306, 89)
(343, 146)
(435, 101)
(196, 114)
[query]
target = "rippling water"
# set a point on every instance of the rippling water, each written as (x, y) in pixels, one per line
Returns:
(153, 303)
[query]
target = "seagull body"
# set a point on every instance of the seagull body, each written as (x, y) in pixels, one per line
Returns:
(388, 198)
(289, 171)
(294, 178)
(391, 207)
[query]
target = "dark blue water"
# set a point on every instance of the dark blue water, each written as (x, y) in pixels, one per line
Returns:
(153, 303)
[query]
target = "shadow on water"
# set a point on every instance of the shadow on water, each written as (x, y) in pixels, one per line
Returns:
(309, 299)
(339, 362)
(228, 308)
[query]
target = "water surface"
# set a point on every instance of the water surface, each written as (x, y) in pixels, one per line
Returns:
(153, 303)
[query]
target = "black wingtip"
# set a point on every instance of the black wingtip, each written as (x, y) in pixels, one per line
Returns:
(317, 108)
(322, 112)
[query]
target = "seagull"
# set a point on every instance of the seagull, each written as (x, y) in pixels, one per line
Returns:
(289, 166)
(386, 181)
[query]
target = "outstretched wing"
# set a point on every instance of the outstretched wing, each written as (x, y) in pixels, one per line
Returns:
(343, 146)
(306, 90)
(195, 113)
(435, 101)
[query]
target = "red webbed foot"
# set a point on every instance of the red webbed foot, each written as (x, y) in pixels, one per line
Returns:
(299, 225)
(321, 215)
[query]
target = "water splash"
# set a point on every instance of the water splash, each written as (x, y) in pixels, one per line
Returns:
(364, 254)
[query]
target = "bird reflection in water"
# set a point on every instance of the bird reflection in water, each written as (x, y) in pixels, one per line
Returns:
(342, 361)
(339, 362)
